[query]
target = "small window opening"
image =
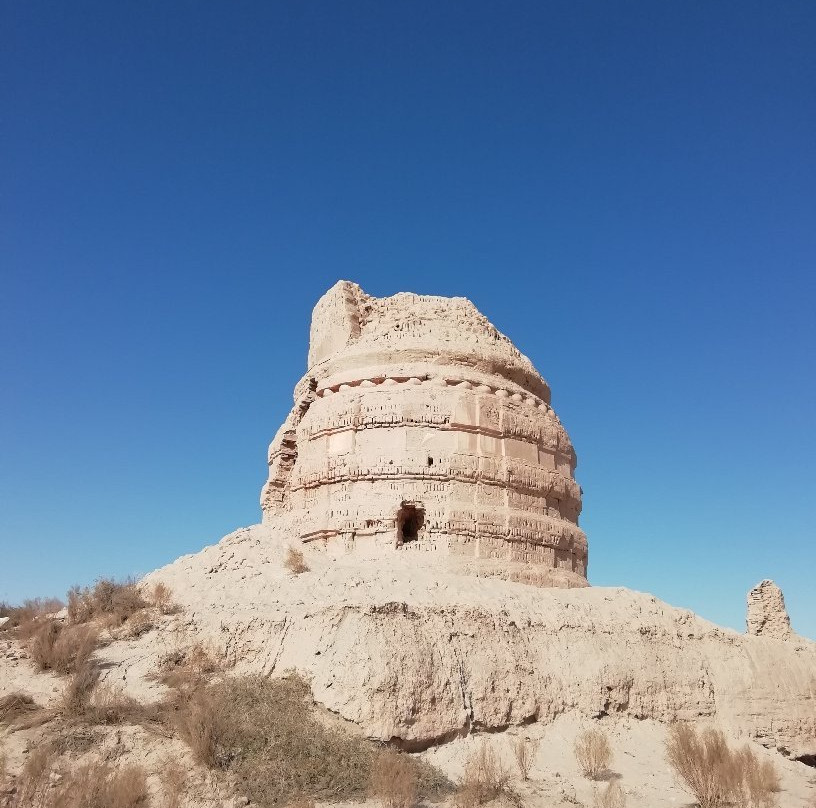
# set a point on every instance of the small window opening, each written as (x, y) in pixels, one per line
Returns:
(430, 461)
(410, 519)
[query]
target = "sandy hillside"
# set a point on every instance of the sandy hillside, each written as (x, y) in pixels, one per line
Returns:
(436, 663)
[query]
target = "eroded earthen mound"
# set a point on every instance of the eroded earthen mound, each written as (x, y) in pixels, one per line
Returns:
(425, 654)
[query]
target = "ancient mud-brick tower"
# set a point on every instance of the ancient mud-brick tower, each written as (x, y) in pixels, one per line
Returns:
(419, 428)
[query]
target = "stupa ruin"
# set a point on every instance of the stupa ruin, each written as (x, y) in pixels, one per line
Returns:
(425, 480)
(420, 428)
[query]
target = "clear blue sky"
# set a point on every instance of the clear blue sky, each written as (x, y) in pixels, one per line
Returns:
(628, 190)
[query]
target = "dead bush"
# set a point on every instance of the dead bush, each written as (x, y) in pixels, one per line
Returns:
(524, 751)
(613, 796)
(593, 753)
(80, 606)
(85, 700)
(76, 698)
(32, 786)
(99, 785)
(716, 775)
(63, 649)
(139, 623)
(14, 705)
(162, 598)
(113, 601)
(485, 779)
(30, 610)
(186, 669)
(295, 561)
(393, 780)
(758, 780)
(111, 705)
(75, 738)
(200, 721)
(265, 734)
(174, 784)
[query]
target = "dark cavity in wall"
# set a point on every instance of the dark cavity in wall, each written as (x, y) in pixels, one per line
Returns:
(410, 519)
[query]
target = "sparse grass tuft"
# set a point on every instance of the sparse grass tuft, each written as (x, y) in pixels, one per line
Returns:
(162, 598)
(32, 786)
(46, 782)
(85, 700)
(715, 775)
(76, 698)
(593, 753)
(393, 780)
(110, 705)
(613, 796)
(174, 784)
(295, 561)
(485, 779)
(524, 750)
(186, 669)
(14, 705)
(760, 779)
(99, 785)
(139, 623)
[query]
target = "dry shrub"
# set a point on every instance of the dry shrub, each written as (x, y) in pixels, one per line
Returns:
(613, 796)
(63, 649)
(162, 598)
(186, 669)
(593, 753)
(301, 802)
(524, 751)
(84, 699)
(714, 774)
(138, 624)
(24, 618)
(393, 780)
(42, 784)
(32, 786)
(295, 561)
(200, 721)
(114, 601)
(99, 785)
(265, 734)
(759, 779)
(485, 779)
(111, 705)
(174, 784)
(76, 698)
(15, 705)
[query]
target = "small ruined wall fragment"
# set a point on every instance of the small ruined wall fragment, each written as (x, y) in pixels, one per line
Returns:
(767, 616)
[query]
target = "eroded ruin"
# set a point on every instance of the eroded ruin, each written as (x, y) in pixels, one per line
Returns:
(420, 428)
(767, 615)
